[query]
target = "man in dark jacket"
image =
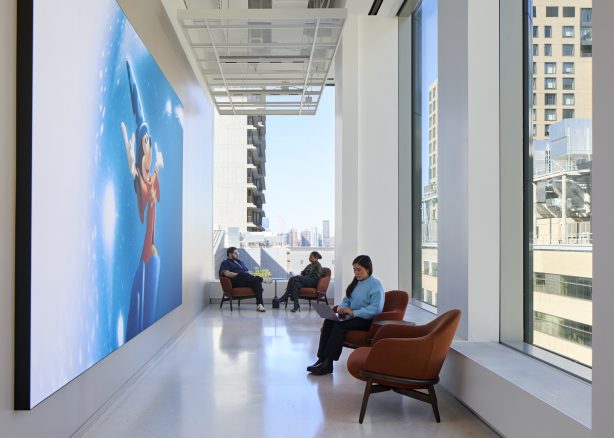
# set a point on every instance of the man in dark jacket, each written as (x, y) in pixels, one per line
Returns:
(239, 275)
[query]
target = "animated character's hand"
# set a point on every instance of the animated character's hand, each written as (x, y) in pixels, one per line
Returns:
(129, 150)
(159, 158)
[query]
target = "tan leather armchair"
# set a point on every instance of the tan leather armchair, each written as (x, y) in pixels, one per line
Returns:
(317, 293)
(395, 305)
(405, 359)
(238, 293)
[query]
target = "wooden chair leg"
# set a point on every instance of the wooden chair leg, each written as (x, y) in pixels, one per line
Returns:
(434, 403)
(365, 399)
(230, 299)
(222, 302)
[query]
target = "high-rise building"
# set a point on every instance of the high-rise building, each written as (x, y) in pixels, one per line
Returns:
(326, 233)
(292, 238)
(239, 172)
(562, 62)
(562, 162)
(428, 287)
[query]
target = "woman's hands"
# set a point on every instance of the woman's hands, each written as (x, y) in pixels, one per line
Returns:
(345, 311)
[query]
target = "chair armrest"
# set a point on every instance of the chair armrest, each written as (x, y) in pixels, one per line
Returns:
(399, 331)
(403, 357)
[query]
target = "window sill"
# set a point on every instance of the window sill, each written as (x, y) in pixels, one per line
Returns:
(517, 395)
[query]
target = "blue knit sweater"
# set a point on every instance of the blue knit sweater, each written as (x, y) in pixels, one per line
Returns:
(367, 298)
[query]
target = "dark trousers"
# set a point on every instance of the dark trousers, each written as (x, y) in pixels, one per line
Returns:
(243, 279)
(333, 334)
(295, 284)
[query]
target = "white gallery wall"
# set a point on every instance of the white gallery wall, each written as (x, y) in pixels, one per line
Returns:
(366, 149)
(66, 410)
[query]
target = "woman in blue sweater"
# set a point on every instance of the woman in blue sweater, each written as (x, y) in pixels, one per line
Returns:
(364, 298)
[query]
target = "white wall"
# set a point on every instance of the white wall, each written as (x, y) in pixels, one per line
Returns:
(469, 165)
(366, 151)
(603, 207)
(63, 412)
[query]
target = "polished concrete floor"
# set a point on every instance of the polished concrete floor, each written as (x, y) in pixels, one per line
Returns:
(242, 373)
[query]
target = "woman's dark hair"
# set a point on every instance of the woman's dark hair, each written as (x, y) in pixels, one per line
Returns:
(316, 254)
(230, 250)
(365, 262)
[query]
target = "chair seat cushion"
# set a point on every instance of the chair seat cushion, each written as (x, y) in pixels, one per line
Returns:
(357, 338)
(241, 292)
(356, 363)
(308, 292)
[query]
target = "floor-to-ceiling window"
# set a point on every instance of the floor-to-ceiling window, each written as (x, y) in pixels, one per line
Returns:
(558, 268)
(425, 106)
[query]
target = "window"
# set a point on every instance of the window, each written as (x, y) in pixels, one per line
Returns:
(586, 16)
(569, 83)
(569, 99)
(534, 12)
(547, 49)
(558, 211)
(534, 83)
(534, 68)
(535, 50)
(568, 49)
(424, 152)
(550, 83)
(534, 114)
(549, 99)
(568, 32)
(562, 328)
(550, 115)
(535, 31)
(586, 35)
(586, 51)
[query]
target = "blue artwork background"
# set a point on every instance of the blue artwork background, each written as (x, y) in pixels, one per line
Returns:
(166, 130)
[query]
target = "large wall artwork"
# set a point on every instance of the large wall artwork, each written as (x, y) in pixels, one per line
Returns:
(99, 210)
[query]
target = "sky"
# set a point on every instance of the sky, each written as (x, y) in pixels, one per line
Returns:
(300, 168)
(429, 74)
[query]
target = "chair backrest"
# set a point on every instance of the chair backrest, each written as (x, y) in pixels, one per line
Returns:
(442, 330)
(324, 281)
(396, 301)
(226, 284)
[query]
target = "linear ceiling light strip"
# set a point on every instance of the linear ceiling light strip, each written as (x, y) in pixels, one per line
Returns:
(217, 56)
(313, 47)
(331, 64)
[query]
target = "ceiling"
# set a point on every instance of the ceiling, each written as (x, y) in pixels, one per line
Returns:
(259, 61)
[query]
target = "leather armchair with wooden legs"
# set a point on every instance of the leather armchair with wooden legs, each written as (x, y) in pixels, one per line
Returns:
(395, 305)
(405, 359)
(317, 293)
(238, 293)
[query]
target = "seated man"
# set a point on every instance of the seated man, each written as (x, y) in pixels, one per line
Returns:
(239, 275)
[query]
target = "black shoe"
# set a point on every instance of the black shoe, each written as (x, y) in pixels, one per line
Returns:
(295, 308)
(326, 367)
(310, 368)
